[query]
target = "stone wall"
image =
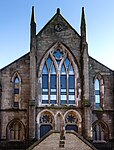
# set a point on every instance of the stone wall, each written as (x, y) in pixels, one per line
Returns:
(8, 111)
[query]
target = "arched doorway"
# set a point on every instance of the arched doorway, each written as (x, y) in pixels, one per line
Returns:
(45, 122)
(72, 121)
(45, 129)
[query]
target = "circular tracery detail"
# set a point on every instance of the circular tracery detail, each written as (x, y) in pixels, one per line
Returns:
(45, 119)
(71, 119)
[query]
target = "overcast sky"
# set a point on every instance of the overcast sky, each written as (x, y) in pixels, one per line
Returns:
(15, 26)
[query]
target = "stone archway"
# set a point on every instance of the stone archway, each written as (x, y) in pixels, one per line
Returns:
(45, 122)
(73, 121)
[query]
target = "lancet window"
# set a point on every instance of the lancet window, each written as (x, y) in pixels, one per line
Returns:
(99, 91)
(16, 89)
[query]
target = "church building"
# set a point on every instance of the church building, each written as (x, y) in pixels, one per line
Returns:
(57, 95)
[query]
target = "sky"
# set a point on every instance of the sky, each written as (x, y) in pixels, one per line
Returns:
(15, 26)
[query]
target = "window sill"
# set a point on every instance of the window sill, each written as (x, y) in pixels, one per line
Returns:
(99, 141)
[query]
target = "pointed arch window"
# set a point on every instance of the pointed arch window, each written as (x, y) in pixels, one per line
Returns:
(59, 79)
(16, 89)
(15, 131)
(97, 93)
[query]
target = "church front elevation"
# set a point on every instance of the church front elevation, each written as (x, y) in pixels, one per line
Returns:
(57, 92)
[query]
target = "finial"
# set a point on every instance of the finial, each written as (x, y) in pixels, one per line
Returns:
(33, 19)
(83, 22)
(58, 10)
(83, 25)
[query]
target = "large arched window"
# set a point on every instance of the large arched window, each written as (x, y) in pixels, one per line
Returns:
(59, 78)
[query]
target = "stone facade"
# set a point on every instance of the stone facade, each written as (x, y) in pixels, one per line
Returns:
(29, 109)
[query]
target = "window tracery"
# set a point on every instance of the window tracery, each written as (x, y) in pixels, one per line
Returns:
(71, 119)
(46, 121)
(15, 131)
(100, 131)
(59, 79)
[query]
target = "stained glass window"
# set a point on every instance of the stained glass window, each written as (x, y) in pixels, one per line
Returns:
(97, 93)
(16, 91)
(58, 79)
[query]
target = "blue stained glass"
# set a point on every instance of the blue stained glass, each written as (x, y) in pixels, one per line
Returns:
(62, 102)
(53, 82)
(63, 81)
(58, 54)
(16, 80)
(71, 71)
(71, 102)
(49, 61)
(58, 62)
(53, 70)
(16, 91)
(53, 101)
(63, 71)
(67, 62)
(97, 84)
(44, 81)
(97, 93)
(71, 82)
(44, 129)
(97, 99)
(71, 127)
(45, 71)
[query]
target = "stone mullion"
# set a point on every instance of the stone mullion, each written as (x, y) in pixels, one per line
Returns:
(49, 87)
(57, 87)
(67, 92)
(59, 92)
(75, 91)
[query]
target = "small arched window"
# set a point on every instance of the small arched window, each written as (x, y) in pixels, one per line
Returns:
(97, 93)
(16, 89)
(100, 131)
(15, 131)
(59, 78)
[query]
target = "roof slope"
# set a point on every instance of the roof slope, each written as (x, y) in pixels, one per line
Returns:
(52, 140)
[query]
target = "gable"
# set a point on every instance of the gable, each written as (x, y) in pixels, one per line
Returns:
(57, 24)
(58, 30)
